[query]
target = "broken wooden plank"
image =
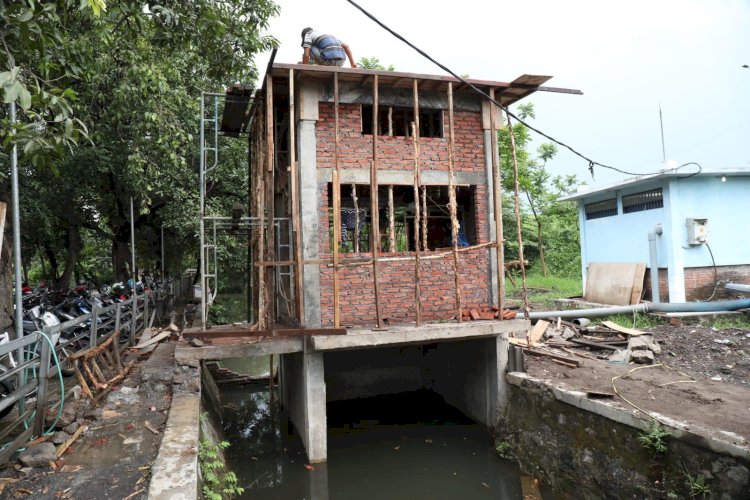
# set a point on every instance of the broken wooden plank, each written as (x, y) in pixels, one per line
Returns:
(63, 447)
(153, 340)
(523, 342)
(627, 331)
(538, 330)
(595, 345)
(552, 356)
(599, 395)
(564, 363)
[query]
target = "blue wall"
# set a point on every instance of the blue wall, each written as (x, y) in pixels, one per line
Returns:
(726, 205)
(624, 237)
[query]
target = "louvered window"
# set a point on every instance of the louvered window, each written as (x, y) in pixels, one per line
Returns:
(599, 209)
(647, 200)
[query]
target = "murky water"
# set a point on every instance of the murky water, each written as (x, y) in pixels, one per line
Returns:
(408, 446)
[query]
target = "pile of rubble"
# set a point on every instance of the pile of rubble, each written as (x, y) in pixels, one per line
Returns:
(486, 313)
(608, 341)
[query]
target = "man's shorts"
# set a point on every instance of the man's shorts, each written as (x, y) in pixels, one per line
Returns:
(317, 58)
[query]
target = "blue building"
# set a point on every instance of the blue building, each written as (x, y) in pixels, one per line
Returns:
(699, 227)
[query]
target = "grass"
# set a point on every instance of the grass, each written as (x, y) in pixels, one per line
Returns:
(738, 322)
(544, 290)
(636, 320)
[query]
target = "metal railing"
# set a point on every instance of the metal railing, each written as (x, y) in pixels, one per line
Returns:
(26, 364)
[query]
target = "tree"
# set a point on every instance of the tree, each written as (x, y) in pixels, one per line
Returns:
(542, 193)
(109, 111)
(374, 63)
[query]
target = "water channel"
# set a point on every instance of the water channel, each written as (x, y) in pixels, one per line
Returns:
(404, 446)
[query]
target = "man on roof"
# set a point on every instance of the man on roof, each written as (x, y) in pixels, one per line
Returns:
(323, 49)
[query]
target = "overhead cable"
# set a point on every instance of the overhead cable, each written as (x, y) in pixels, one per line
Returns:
(591, 163)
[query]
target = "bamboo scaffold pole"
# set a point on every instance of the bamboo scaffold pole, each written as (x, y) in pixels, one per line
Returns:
(269, 176)
(336, 204)
(497, 208)
(375, 203)
(391, 221)
(296, 216)
(424, 219)
(518, 219)
(417, 182)
(260, 204)
(452, 203)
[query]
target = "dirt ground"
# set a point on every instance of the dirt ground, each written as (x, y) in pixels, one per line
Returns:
(704, 378)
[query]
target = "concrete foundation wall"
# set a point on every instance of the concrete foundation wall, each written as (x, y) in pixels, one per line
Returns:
(304, 396)
(465, 373)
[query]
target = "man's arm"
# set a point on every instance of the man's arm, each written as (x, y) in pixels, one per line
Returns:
(306, 56)
(349, 54)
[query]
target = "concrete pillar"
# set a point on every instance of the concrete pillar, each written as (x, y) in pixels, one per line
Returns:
(310, 198)
(492, 271)
(676, 228)
(304, 396)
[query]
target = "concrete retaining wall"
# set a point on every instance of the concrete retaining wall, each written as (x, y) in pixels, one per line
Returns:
(591, 450)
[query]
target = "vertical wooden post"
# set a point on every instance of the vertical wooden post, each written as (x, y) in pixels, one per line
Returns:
(391, 221)
(355, 203)
(270, 377)
(498, 209)
(374, 202)
(260, 203)
(452, 202)
(417, 182)
(296, 217)
(424, 219)
(336, 204)
(517, 206)
(270, 202)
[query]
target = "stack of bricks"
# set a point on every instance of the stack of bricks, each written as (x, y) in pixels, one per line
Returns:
(486, 313)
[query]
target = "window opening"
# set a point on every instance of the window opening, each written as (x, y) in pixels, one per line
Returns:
(396, 121)
(646, 200)
(600, 209)
(356, 221)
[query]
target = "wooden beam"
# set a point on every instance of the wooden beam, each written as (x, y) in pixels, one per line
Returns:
(374, 203)
(417, 182)
(452, 204)
(336, 204)
(270, 198)
(296, 216)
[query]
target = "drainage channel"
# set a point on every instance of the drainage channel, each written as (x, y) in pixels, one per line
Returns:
(409, 445)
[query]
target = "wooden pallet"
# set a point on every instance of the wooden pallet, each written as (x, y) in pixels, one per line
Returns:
(100, 368)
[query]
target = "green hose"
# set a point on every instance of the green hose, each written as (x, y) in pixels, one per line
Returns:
(62, 385)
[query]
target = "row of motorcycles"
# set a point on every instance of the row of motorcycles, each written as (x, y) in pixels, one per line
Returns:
(47, 307)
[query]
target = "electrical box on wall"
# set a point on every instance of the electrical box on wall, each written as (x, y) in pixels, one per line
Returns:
(697, 231)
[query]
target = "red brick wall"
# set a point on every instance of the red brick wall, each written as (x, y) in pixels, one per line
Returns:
(397, 301)
(699, 282)
(397, 153)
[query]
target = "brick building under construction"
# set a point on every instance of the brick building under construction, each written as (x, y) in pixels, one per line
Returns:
(427, 143)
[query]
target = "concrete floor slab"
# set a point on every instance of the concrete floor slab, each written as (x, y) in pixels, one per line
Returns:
(185, 354)
(359, 338)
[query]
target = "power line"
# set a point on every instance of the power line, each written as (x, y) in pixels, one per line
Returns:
(591, 163)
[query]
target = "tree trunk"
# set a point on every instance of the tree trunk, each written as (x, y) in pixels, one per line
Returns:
(52, 261)
(540, 244)
(74, 250)
(7, 315)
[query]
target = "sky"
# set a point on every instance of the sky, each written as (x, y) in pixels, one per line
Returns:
(628, 59)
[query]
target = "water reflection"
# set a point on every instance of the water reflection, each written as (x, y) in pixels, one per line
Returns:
(407, 446)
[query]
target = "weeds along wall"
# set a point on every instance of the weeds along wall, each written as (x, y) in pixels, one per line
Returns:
(397, 288)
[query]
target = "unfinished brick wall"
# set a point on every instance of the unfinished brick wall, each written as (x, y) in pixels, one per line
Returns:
(699, 282)
(397, 296)
(397, 153)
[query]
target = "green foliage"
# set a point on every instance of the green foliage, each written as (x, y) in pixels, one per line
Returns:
(549, 227)
(109, 110)
(636, 320)
(374, 63)
(503, 449)
(654, 439)
(733, 322)
(543, 290)
(698, 486)
(219, 483)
